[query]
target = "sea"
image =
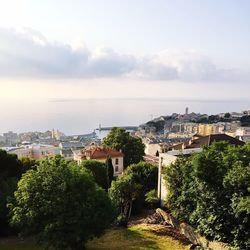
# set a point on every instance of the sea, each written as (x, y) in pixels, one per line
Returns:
(82, 116)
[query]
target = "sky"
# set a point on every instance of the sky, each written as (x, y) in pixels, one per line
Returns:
(173, 49)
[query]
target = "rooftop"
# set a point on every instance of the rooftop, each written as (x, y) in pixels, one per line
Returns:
(100, 152)
(200, 141)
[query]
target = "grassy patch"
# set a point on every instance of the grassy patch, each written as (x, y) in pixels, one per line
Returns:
(135, 237)
(18, 244)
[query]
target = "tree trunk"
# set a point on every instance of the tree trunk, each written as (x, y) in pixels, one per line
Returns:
(130, 209)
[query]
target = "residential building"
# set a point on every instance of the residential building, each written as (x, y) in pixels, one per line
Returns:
(11, 138)
(199, 141)
(101, 153)
(152, 146)
(35, 151)
(210, 129)
(67, 148)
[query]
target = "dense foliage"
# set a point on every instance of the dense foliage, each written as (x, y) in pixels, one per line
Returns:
(216, 118)
(60, 203)
(103, 172)
(109, 171)
(245, 121)
(98, 170)
(158, 125)
(132, 147)
(211, 191)
(129, 190)
(10, 172)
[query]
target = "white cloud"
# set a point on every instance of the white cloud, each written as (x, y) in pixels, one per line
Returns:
(27, 53)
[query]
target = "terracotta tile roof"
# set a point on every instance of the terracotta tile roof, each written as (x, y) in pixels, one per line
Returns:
(208, 140)
(100, 152)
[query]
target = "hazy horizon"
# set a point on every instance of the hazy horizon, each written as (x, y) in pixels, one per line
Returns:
(80, 116)
(194, 52)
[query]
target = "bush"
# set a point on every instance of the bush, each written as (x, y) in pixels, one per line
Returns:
(61, 204)
(98, 170)
(152, 198)
(211, 190)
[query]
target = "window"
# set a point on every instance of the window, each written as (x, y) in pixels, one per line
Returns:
(116, 168)
(116, 161)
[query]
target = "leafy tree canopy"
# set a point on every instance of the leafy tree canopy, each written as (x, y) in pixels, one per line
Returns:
(10, 166)
(98, 170)
(109, 171)
(245, 121)
(61, 204)
(10, 172)
(211, 190)
(129, 190)
(123, 193)
(132, 147)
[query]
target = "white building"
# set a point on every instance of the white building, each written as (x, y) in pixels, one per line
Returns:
(35, 151)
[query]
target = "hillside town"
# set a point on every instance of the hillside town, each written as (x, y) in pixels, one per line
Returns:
(158, 135)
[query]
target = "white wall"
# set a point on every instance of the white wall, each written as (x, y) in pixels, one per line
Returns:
(151, 149)
(164, 161)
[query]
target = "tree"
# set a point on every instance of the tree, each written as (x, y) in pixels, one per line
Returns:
(152, 198)
(179, 181)
(132, 147)
(98, 170)
(60, 203)
(227, 115)
(145, 174)
(109, 171)
(27, 163)
(128, 191)
(245, 121)
(237, 182)
(123, 192)
(211, 190)
(10, 172)
(9, 165)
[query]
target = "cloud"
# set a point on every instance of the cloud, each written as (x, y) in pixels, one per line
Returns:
(27, 53)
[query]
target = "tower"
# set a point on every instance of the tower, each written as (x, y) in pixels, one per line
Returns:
(186, 111)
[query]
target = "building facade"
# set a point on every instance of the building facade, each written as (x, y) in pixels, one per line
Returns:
(101, 153)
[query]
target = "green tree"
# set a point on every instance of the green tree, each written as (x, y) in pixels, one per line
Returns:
(237, 183)
(60, 203)
(123, 193)
(98, 170)
(245, 121)
(227, 115)
(152, 198)
(10, 172)
(27, 163)
(9, 165)
(146, 175)
(109, 171)
(180, 181)
(132, 147)
(129, 190)
(211, 191)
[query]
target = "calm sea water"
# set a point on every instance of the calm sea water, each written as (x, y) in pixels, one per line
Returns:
(84, 115)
